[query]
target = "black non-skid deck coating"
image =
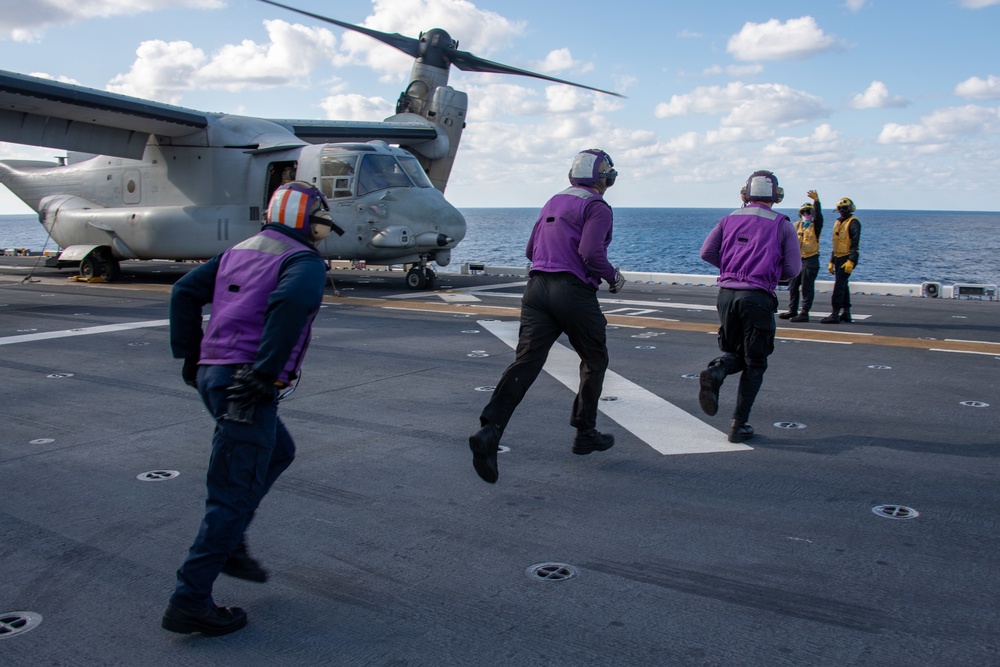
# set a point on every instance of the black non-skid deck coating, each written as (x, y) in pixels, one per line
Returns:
(385, 548)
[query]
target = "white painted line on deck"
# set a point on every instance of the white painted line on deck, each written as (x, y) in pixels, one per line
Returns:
(937, 349)
(450, 297)
(660, 424)
(85, 331)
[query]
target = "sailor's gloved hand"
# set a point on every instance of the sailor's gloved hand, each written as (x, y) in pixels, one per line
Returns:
(618, 284)
(848, 267)
(812, 194)
(249, 388)
(830, 268)
(189, 371)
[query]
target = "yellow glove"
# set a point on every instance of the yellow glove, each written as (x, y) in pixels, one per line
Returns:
(829, 267)
(812, 194)
(848, 267)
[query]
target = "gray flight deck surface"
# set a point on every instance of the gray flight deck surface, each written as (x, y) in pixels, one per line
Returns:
(385, 548)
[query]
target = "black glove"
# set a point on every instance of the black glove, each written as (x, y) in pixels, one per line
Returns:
(249, 388)
(190, 371)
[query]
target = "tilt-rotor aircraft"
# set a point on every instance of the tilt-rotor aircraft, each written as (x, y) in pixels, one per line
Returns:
(144, 180)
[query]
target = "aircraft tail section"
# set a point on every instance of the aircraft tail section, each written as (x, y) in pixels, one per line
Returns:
(29, 180)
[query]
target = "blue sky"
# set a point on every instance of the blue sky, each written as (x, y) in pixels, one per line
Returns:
(896, 105)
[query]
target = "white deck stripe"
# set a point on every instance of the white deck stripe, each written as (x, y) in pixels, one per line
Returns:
(660, 424)
(86, 331)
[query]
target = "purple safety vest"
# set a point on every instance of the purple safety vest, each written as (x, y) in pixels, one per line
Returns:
(751, 248)
(248, 273)
(556, 237)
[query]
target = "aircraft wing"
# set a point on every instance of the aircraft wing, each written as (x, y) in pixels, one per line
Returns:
(42, 112)
(407, 132)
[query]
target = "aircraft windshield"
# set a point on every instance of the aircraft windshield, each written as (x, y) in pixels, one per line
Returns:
(337, 174)
(416, 172)
(379, 172)
(341, 175)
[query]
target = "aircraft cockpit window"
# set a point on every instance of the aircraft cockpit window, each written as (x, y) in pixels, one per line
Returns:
(416, 172)
(337, 175)
(379, 172)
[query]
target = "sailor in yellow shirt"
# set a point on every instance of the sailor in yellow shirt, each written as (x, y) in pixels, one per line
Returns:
(843, 259)
(809, 227)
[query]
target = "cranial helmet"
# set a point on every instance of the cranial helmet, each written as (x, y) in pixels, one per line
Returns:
(299, 205)
(763, 186)
(806, 208)
(846, 205)
(590, 166)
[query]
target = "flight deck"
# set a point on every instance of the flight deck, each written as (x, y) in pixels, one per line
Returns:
(858, 528)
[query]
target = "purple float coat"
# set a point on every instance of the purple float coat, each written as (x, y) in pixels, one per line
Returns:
(572, 235)
(754, 247)
(248, 274)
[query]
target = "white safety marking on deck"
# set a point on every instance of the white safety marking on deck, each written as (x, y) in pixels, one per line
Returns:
(451, 297)
(937, 349)
(814, 340)
(86, 331)
(660, 424)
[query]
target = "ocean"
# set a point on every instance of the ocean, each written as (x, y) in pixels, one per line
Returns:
(896, 246)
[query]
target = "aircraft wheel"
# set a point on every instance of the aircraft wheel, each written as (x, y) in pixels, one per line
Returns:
(416, 278)
(90, 266)
(430, 276)
(110, 268)
(100, 265)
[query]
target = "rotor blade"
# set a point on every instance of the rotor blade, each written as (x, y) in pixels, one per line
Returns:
(467, 62)
(407, 45)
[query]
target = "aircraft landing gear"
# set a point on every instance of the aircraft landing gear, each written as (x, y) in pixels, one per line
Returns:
(420, 277)
(100, 265)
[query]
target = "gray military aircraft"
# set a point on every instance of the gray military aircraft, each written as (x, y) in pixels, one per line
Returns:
(144, 180)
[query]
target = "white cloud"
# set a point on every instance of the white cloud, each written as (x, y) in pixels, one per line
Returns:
(877, 97)
(796, 39)
(753, 105)
(980, 89)
(356, 107)
(854, 5)
(978, 4)
(824, 142)
(163, 71)
(561, 60)
(944, 126)
(27, 21)
(292, 52)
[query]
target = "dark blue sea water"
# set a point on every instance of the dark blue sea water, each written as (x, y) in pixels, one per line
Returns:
(896, 246)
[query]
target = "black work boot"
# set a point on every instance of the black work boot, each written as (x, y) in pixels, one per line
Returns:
(845, 315)
(832, 318)
(801, 317)
(740, 431)
(210, 621)
(591, 440)
(708, 395)
(484, 444)
(787, 315)
(242, 565)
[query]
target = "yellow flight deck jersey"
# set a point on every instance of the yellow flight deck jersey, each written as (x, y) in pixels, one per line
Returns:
(808, 243)
(841, 237)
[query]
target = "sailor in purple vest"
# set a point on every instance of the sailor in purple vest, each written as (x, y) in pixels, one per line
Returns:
(753, 247)
(264, 293)
(568, 251)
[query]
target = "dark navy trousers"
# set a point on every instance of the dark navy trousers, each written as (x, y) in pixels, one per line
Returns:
(553, 304)
(746, 339)
(246, 460)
